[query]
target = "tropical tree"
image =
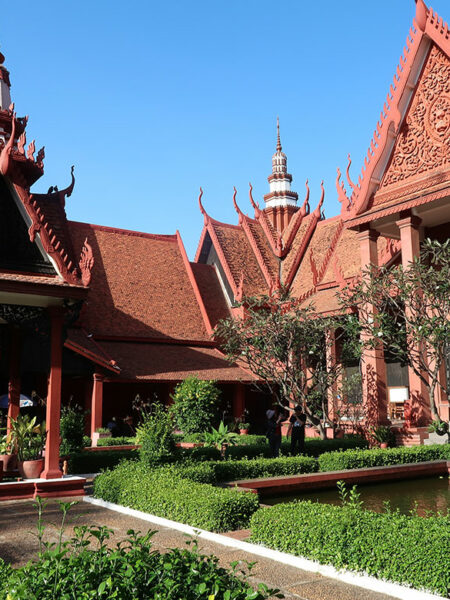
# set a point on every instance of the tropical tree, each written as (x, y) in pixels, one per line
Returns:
(289, 349)
(407, 312)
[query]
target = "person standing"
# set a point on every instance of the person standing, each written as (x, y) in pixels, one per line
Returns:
(275, 417)
(296, 430)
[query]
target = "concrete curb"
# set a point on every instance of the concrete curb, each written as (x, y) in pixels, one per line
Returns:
(364, 581)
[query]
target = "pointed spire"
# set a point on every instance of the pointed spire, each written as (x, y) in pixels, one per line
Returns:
(279, 148)
(5, 84)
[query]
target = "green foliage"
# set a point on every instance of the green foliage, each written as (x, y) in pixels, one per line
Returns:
(116, 441)
(358, 459)
(93, 462)
(72, 430)
(406, 549)
(381, 434)
(220, 438)
(195, 405)
(87, 442)
(163, 492)
(88, 566)
(155, 436)
(438, 426)
(103, 430)
(230, 470)
(28, 437)
(411, 320)
(277, 338)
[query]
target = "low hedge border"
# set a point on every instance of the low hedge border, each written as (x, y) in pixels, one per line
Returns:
(165, 493)
(93, 462)
(231, 470)
(116, 441)
(404, 549)
(377, 457)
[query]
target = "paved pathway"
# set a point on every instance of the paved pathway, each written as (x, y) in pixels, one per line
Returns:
(18, 545)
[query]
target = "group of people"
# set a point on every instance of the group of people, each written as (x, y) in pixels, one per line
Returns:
(276, 416)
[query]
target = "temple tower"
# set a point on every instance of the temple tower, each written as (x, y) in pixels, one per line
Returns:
(281, 201)
(5, 96)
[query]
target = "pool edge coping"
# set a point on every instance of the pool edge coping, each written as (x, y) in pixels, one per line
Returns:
(367, 582)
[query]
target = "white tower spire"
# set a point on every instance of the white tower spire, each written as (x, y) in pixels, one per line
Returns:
(280, 180)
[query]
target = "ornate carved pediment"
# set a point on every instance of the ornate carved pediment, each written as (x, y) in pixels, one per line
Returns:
(422, 148)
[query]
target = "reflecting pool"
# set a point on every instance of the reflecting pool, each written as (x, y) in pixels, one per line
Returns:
(431, 494)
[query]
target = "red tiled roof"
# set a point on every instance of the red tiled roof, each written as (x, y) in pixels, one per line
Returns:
(211, 292)
(80, 342)
(170, 362)
(139, 286)
(263, 245)
(240, 258)
(35, 279)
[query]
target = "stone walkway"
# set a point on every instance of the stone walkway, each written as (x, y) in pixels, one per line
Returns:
(18, 544)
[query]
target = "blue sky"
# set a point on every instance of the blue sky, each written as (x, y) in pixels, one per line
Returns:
(150, 100)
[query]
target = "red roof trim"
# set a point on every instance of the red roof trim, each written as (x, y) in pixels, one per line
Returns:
(391, 210)
(193, 282)
(151, 236)
(151, 340)
(200, 244)
(70, 345)
(425, 24)
(221, 255)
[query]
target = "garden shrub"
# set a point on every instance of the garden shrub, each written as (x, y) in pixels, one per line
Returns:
(71, 429)
(377, 457)
(164, 493)
(131, 570)
(195, 405)
(93, 462)
(229, 470)
(116, 441)
(155, 436)
(87, 442)
(406, 549)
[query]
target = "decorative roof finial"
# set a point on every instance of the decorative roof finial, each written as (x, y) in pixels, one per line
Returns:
(279, 148)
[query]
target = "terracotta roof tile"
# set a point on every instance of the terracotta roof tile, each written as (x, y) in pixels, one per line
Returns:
(269, 258)
(317, 247)
(240, 258)
(170, 362)
(211, 292)
(139, 286)
(295, 246)
(35, 279)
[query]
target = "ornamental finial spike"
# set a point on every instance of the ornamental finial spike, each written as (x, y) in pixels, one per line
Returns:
(278, 135)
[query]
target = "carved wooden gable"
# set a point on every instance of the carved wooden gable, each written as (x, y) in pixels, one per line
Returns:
(421, 155)
(17, 252)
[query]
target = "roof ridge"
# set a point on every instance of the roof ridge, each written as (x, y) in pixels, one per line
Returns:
(161, 236)
(315, 218)
(253, 243)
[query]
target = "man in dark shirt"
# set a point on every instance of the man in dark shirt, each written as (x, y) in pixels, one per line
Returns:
(296, 430)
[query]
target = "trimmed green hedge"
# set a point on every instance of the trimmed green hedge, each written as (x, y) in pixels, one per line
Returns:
(93, 462)
(376, 457)
(230, 470)
(164, 493)
(116, 441)
(405, 549)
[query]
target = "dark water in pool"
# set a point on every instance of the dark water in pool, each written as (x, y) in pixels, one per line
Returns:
(428, 494)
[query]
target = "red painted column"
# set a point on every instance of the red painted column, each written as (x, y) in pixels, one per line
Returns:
(418, 393)
(332, 358)
(14, 377)
(97, 402)
(239, 401)
(373, 365)
(53, 413)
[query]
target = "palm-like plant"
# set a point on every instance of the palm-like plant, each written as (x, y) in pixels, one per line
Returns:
(220, 438)
(28, 437)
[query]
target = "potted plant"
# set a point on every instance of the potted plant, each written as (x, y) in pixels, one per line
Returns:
(438, 426)
(243, 428)
(7, 456)
(28, 437)
(221, 438)
(100, 433)
(382, 434)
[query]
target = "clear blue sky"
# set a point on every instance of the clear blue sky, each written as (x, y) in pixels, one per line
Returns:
(150, 100)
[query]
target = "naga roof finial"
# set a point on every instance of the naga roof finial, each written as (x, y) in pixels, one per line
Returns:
(236, 207)
(279, 148)
(202, 209)
(252, 202)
